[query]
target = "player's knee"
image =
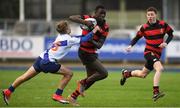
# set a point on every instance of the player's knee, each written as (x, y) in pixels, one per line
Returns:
(69, 74)
(159, 69)
(143, 75)
(105, 75)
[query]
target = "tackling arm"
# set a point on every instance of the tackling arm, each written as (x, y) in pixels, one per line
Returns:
(87, 37)
(98, 44)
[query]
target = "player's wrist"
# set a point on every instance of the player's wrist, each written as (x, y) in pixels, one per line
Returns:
(85, 22)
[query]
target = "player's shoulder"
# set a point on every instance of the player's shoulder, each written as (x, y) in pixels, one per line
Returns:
(106, 26)
(162, 22)
(144, 26)
(61, 37)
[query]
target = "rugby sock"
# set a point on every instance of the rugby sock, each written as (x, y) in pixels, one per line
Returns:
(127, 74)
(59, 91)
(155, 89)
(75, 94)
(11, 88)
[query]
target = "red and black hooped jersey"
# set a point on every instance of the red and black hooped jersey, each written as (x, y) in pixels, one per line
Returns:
(154, 35)
(89, 47)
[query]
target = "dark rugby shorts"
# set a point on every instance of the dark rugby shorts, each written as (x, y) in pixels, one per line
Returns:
(41, 65)
(150, 60)
(87, 58)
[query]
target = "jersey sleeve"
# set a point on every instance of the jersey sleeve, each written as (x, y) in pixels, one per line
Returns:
(169, 31)
(85, 16)
(140, 32)
(168, 28)
(105, 32)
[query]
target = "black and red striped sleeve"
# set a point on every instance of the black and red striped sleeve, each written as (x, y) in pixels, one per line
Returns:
(168, 28)
(139, 34)
(105, 32)
(169, 31)
(85, 16)
(101, 36)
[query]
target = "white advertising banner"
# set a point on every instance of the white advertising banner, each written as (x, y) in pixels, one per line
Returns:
(21, 46)
(173, 49)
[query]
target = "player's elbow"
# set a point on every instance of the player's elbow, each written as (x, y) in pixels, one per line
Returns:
(99, 45)
(143, 75)
(71, 17)
(70, 74)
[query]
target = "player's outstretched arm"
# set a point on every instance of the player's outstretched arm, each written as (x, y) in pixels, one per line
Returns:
(89, 35)
(129, 48)
(78, 19)
(133, 42)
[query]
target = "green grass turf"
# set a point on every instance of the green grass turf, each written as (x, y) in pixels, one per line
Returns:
(137, 92)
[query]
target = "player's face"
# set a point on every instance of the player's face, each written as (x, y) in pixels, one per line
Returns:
(100, 13)
(151, 16)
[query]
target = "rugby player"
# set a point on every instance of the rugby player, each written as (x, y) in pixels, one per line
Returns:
(153, 31)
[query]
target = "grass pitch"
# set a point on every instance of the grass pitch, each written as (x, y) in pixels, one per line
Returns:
(136, 92)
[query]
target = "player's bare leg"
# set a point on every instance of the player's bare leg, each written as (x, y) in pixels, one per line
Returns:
(26, 76)
(67, 75)
(135, 73)
(140, 73)
(156, 93)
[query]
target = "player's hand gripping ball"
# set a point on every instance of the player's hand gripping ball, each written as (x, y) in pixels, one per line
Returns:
(86, 27)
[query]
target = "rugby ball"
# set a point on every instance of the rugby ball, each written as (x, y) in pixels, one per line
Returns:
(93, 20)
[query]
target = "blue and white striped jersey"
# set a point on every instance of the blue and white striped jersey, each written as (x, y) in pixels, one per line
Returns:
(60, 47)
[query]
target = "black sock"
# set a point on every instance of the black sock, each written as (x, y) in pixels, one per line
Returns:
(59, 91)
(11, 88)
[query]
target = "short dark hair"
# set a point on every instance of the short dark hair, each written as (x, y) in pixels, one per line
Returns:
(152, 9)
(99, 7)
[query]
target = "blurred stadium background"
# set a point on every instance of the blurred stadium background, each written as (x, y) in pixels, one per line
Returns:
(27, 27)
